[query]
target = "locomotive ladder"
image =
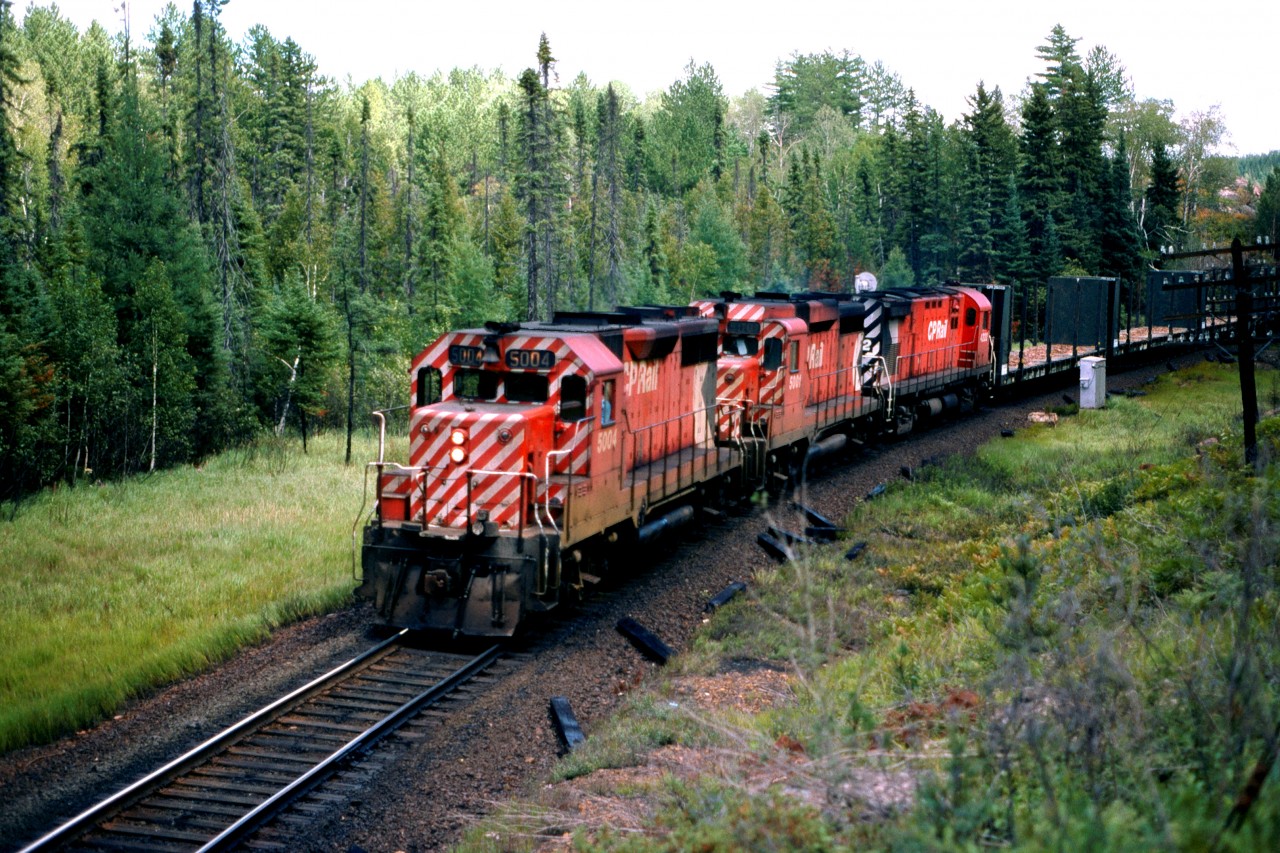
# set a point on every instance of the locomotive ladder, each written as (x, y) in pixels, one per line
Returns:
(227, 788)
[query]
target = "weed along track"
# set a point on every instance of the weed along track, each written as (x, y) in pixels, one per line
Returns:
(286, 761)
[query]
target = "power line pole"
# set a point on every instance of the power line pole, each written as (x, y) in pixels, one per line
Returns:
(1244, 342)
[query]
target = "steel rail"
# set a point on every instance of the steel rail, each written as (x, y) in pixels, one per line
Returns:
(281, 800)
(126, 797)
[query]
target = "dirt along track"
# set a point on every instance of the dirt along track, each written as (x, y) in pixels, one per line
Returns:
(501, 740)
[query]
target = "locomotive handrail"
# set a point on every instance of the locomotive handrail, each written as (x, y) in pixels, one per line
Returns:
(669, 452)
(916, 359)
(529, 475)
(733, 408)
(523, 475)
(382, 434)
(381, 415)
(843, 399)
(397, 468)
(881, 366)
(546, 498)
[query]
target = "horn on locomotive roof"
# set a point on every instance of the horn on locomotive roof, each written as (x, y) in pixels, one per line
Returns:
(501, 328)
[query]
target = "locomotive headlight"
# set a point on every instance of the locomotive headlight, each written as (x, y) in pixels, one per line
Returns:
(458, 437)
(458, 455)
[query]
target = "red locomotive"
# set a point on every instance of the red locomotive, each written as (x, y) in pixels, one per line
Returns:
(536, 449)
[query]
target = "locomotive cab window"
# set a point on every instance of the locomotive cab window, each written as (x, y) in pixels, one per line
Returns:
(606, 402)
(986, 320)
(970, 316)
(476, 384)
(772, 354)
(529, 388)
(573, 398)
(428, 386)
(740, 345)
(795, 356)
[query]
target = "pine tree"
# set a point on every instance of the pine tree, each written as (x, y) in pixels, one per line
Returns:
(813, 228)
(976, 261)
(1120, 245)
(1039, 186)
(990, 152)
(805, 83)
(300, 333)
(712, 227)
(1164, 200)
(25, 374)
(158, 347)
(1081, 121)
(89, 387)
(1059, 55)
(766, 239)
(867, 199)
(506, 239)
(13, 292)
(154, 275)
(916, 198)
(531, 182)
(166, 55)
(550, 177)
(538, 182)
(610, 161)
(1267, 223)
(1010, 256)
(654, 254)
(443, 224)
(686, 136)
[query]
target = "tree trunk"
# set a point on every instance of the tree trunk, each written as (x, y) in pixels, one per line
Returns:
(591, 245)
(155, 419)
(351, 373)
(288, 394)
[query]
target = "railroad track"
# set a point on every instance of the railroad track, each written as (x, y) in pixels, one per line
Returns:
(227, 788)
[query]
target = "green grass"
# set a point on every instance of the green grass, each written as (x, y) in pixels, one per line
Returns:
(109, 590)
(1107, 591)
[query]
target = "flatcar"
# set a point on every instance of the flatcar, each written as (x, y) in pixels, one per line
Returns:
(538, 450)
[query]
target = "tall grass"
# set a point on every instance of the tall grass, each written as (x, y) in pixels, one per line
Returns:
(111, 589)
(1066, 640)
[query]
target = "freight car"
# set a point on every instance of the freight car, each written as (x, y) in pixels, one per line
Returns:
(538, 450)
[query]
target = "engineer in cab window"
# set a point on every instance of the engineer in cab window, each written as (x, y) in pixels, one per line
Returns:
(606, 403)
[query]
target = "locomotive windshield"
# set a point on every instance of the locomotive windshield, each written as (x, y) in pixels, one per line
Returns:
(515, 387)
(741, 345)
(526, 387)
(476, 384)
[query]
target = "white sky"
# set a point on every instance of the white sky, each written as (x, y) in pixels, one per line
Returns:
(1198, 55)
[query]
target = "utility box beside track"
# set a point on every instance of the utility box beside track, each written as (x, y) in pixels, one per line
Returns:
(1093, 382)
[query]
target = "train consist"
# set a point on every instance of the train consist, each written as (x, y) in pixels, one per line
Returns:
(540, 452)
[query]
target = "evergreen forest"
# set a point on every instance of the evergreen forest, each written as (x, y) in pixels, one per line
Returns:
(204, 241)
